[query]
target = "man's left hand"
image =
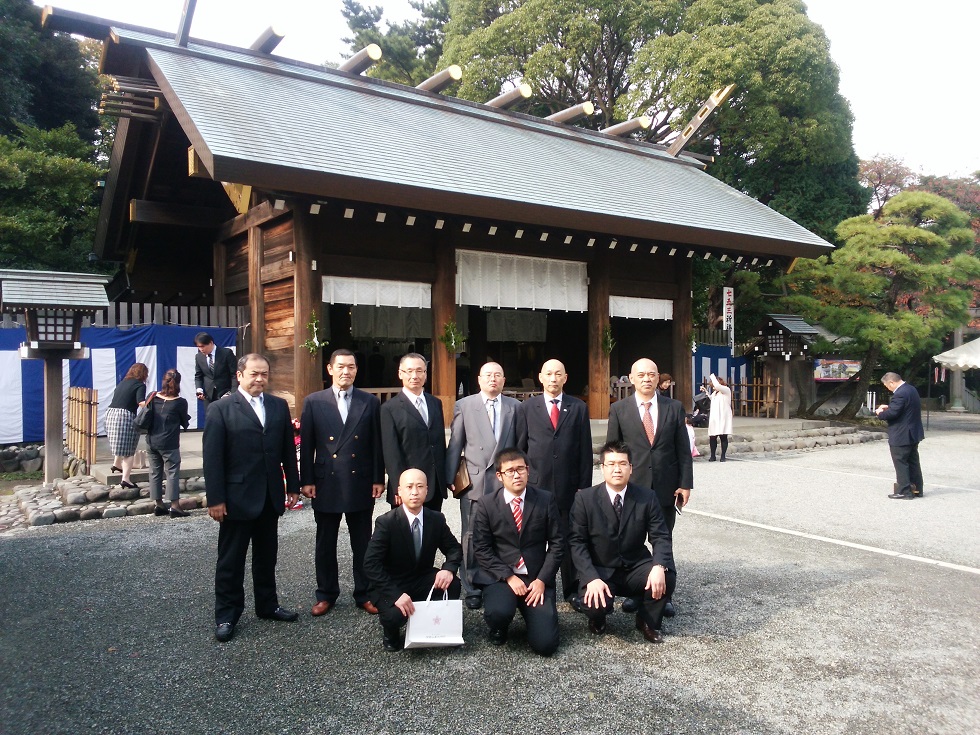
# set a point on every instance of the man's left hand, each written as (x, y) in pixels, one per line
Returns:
(443, 579)
(681, 496)
(657, 582)
(291, 499)
(535, 593)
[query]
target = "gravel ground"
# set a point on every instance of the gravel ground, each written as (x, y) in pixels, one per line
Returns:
(107, 626)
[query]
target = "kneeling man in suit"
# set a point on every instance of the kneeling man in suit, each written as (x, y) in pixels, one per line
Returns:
(609, 528)
(518, 545)
(400, 557)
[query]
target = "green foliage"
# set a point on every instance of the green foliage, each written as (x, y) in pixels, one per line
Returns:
(410, 49)
(46, 81)
(48, 203)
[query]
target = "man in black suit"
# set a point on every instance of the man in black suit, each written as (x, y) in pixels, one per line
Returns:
(413, 433)
(342, 470)
(653, 427)
(483, 424)
(518, 545)
(904, 417)
(400, 557)
(611, 524)
(214, 369)
(554, 430)
(248, 447)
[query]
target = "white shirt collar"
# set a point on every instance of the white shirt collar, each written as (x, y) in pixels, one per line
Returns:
(248, 397)
(548, 400)
(411, 516)
(411, 396)
(509, 498)
(612, 493)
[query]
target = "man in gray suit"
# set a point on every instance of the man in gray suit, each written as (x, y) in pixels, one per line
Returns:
(483, 424)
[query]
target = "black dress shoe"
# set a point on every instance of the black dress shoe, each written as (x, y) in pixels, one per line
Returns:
(176, 512)
(224, 631)
(160, 510)
(576, 602)
(631, 605)
(651, 634)
(392, 644)
(474, 602)
(497, 637)
(901, 496)
(281, 613)
(597, 626)
(669, 610)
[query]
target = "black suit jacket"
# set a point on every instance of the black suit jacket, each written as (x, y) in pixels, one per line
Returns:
(244, 463)
(225, 378)
(561, 459)
(342, 459)
(407, 442)
(666, 465)
(498, 547)
(390, 563)
(904, 417)
(598, 548)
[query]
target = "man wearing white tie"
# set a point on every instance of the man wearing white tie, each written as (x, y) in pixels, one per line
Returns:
(413, 433)
(483, 424)
(342, 471)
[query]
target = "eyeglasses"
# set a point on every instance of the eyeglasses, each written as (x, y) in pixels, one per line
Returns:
(514, 471)
(614, 465)
(413, 371)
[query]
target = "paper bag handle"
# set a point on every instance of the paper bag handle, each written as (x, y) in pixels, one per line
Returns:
(445, 594)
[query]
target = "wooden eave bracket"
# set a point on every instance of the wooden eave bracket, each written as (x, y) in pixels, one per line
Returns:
(716, 98)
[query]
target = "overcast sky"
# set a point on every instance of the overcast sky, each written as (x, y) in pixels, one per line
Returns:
(904, 63)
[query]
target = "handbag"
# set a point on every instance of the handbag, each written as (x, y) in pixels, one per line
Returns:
(435, 623)
(144, 417)
(462, 481)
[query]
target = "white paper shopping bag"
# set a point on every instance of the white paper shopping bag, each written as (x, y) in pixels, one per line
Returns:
(435, 623)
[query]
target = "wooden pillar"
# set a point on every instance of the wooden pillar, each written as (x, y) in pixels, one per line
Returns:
(307, 298)
(681, 338)
(54, 420)
(443, 366)
(598, 320)
(256, 293)
(220, 270)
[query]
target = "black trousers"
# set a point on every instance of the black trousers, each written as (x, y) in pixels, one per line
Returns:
(630, 582)
(229, 574)
(391, 617)
(908, 471)
(500, 604)
(569, 577)
(325, 554)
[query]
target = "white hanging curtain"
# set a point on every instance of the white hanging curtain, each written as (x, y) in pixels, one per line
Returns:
(633, 307)
(376, 292)
(520, 282)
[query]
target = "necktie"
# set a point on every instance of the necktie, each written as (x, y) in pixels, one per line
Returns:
(342, 405)
(420, 405)
(417, 537)
(259, 410)
(618, 507)
(648, 422)
(211, 362)
(492, 413)
(519, 521)
(554, 413)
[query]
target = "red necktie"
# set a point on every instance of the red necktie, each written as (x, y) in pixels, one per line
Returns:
(519, 520)
(554, 414)
(648, 422)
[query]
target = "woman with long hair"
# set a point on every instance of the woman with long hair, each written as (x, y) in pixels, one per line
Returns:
(720, 416)
(163, 444)
(129, 395)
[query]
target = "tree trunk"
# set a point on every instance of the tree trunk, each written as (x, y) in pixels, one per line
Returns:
(812, 409)
(868, 365)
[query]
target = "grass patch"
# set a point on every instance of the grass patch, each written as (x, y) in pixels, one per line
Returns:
(21, 476)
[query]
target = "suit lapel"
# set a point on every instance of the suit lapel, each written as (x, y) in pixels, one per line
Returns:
(330, 414)
(246, 408)
(410, 408)
(629, 505)
(357, 405)
(633, 417)
(605, 508)
(663, 405)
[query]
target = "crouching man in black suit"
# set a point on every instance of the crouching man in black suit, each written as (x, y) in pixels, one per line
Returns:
(518, 545)
(609, 527)
(400, 557)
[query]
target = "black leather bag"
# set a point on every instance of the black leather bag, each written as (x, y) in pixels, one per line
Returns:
(144, 417)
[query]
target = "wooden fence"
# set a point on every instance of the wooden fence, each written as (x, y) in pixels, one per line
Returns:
(757, 398)
(121, 314)
(83, 423)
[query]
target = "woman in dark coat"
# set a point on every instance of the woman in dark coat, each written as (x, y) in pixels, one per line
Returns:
(163, 444)
(129, 395)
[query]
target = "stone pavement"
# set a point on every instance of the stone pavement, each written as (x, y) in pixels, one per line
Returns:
(807, 602)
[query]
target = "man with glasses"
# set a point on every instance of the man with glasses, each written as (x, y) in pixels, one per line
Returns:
(413, 433)
(611, 524)
(653, 426)
(483, 424)
(518, 545)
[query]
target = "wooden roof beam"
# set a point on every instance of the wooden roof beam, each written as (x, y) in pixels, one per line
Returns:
(267, 41)
(442, 79)
(717, 97)
(571, 114)
(146, 212)
(625, 128)
(186, 18)
(510, 98)
(362, 59)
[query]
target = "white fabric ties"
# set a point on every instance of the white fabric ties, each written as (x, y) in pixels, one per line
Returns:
(420, 405)
(259, 407)
(343, 404)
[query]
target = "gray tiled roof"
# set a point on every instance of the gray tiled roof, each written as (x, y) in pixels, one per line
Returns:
(82, 292)
(794, 324)
(276, 124)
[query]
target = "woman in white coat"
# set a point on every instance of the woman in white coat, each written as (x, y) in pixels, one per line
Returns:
(720, 417)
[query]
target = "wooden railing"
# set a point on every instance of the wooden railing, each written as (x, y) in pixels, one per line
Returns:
(83, 423)
(757, 398)
(135, 315)
(383, 394)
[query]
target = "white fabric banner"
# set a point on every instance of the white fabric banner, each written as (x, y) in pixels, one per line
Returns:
(520, 282)
(185, 366)
(376, 292)
(103, 380)
(147, 354)
(634, 307)
(11, 400)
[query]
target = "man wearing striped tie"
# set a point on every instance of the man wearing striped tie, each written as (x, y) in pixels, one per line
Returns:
(518, 545)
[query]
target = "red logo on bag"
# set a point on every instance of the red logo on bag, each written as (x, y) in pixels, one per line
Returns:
(436, 620)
